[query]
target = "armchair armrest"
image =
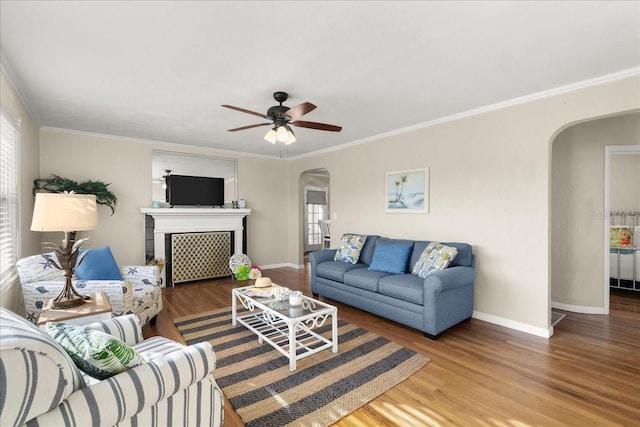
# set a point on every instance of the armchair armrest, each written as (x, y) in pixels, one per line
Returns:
(137, 275)
(126, 328)
(121, 397)
(448, 279)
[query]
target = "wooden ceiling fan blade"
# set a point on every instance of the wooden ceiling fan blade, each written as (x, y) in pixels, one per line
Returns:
(242, 110)
(315, 125)
(250, 126)
(299, 110)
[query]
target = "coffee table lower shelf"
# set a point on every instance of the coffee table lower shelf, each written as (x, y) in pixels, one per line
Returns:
(291, 338)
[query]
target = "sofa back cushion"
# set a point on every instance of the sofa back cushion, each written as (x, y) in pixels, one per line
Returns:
(37, 374)
(366, 254)
(464, 257)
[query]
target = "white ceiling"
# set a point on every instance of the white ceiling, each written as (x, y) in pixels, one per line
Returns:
(160, 70)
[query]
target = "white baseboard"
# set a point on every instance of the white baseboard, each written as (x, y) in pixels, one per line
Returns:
(284, 265)
(578, 308)
(512, 324)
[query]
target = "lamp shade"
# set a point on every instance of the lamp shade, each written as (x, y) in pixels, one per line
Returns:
(64, 212)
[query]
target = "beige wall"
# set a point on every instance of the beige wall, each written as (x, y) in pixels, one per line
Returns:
(625, 179)
(490, 187)
(126, 165)
(577, 251)
(28, 169)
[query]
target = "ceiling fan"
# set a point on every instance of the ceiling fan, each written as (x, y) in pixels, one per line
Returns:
(282, 118)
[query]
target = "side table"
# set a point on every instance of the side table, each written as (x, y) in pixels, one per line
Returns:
(95, 309)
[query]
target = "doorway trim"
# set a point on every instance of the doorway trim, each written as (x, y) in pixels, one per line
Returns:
(608, 151)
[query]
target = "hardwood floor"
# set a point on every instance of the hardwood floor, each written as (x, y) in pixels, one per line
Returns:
(480, 374)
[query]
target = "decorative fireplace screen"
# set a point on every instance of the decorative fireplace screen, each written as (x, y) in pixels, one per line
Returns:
(197, 256)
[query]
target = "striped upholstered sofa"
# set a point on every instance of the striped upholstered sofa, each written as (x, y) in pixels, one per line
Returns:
(138, 293)
(41, 386)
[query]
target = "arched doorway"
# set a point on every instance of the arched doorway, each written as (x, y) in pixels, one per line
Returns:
(316, 206)
(580, 211)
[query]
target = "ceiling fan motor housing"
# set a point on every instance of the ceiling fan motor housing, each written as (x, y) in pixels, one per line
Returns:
(277, 112)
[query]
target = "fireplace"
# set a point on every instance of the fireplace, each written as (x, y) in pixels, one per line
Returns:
(197, 226)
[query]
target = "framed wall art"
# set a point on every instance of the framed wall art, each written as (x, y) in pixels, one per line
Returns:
(407, 191)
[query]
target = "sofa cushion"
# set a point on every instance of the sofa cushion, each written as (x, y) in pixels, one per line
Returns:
(350, 247)
(436, 256)
(406, 287)
(98, 264)
(366, 254)
(391, 256)
(363, 278)
(464, 257)
(95, 352)
(335, 270)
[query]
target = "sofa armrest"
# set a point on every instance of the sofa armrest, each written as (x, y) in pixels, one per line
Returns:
(315, 258)
(137, 275)
(126, 394)
(126, 328)
(322, 255)
(448, 279)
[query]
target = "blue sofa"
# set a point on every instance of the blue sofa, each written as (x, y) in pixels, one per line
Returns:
(431, 305)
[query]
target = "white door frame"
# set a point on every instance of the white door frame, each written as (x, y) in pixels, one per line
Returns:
(306, 246)
(608, 151)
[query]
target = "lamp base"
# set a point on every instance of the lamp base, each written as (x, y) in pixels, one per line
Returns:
(68, 297)
(67, 302)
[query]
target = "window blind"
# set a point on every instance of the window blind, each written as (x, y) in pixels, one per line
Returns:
(9, 142)
(315, 197)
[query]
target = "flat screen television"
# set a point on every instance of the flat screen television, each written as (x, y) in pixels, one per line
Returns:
(184, 190)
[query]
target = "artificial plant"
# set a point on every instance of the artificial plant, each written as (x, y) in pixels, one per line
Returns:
(58, 184)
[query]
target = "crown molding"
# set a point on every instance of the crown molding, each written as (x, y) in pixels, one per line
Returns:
(12, 78)
(164, 144)
(631, 72)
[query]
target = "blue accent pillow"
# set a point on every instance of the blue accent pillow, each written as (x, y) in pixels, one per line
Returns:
(98, 264)
(391, 258)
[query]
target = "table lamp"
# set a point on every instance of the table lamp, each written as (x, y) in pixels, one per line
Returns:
(69, 213)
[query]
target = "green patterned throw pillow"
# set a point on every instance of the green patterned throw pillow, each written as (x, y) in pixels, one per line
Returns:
(350, 247)
(436, 256)
(94, 352)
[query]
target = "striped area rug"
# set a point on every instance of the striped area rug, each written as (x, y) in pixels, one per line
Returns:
(325, 386)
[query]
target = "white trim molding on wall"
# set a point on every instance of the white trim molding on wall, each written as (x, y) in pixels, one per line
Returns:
(578, 308)
(512, 324)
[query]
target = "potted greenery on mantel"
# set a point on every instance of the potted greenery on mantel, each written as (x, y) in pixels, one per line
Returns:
(57, 184)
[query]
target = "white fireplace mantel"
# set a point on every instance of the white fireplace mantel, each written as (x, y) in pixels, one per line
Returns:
(193, 220)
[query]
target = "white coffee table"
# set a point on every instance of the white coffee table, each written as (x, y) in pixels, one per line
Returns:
(288, 329)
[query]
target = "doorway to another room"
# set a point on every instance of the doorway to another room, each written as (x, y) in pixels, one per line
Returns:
(316, 208)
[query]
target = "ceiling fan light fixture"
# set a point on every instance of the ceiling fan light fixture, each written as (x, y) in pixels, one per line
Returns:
(291, 138)
(281, 134)
(271, 136)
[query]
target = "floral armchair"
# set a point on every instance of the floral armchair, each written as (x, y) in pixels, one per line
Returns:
(138, 293)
